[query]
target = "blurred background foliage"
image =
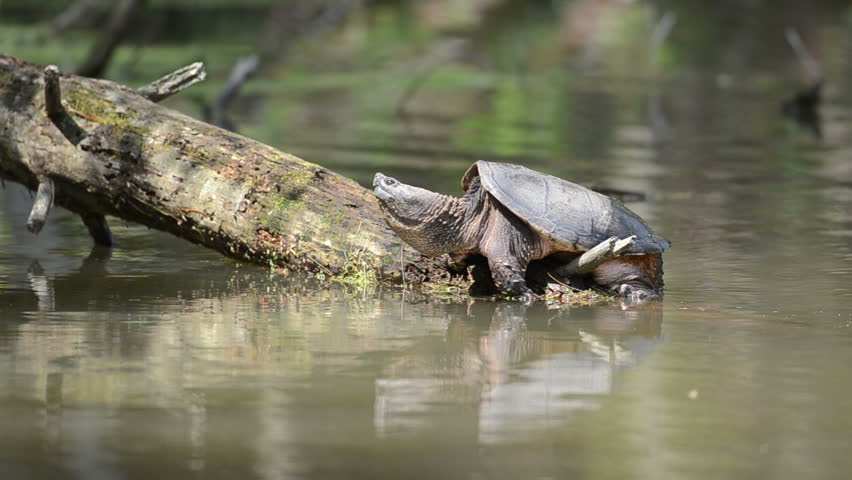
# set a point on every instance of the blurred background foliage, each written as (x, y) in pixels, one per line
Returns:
(359, 84)
(198, 359)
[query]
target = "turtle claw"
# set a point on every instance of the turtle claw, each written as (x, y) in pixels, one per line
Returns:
(527, 298)
(635, 294)
(518, 288)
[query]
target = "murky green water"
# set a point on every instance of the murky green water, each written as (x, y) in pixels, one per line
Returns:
(162, 360)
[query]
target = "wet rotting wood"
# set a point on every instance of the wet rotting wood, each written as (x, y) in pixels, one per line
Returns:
(116, 153)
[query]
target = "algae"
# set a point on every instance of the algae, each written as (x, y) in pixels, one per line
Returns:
(90, 105)
(296, 180)
(561, 294)
(278, 217)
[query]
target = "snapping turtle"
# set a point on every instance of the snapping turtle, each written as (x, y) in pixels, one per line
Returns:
(510, 216)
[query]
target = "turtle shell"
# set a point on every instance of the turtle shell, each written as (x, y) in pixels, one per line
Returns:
(568, 214)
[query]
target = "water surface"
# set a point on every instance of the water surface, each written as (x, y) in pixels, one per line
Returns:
(159, 359)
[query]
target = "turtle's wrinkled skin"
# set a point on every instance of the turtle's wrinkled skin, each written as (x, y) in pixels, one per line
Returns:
(511, 216)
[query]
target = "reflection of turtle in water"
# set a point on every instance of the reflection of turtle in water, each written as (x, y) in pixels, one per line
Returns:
(510, 216)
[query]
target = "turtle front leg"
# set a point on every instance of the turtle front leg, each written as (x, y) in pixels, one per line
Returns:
(509, 244)
(508, 275)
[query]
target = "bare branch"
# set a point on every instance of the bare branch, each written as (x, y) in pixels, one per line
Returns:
(41, 206)
(809, 63)
(662, 29)
(174, 82)
(242, 71)
(592, 259)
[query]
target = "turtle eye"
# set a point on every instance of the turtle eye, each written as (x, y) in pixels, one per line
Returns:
(390, 182)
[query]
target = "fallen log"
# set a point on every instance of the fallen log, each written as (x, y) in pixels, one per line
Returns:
(109, 150)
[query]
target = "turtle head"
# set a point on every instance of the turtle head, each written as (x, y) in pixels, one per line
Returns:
(417, 215)
(407, 205)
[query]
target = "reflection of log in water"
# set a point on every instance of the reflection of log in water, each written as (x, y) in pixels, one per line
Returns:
(803, 106)
(42, 287)
(92, 286)
(53, 410)
(520, 366)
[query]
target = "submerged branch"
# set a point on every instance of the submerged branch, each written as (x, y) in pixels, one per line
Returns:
(98, 229)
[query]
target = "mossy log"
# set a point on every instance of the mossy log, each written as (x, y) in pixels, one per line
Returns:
(111, 151)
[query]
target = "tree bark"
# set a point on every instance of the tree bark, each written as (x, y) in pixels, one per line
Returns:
(111, 151)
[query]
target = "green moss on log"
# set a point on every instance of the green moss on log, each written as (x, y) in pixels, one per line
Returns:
(89, 105)
(278, 217)
(296, 180)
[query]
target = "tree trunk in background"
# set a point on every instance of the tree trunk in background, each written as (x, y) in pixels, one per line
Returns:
(116, 28)
(145, 163)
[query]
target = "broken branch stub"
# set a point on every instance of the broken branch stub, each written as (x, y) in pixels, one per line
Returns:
(96, 223)
(56, 111)
(601, 253)
(41, 206)
(52, 92)
(174, 82)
